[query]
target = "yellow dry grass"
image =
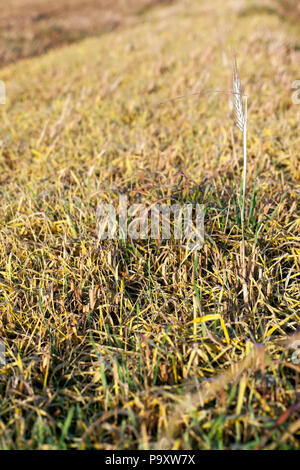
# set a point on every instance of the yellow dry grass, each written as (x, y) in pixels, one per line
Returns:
(139, 344)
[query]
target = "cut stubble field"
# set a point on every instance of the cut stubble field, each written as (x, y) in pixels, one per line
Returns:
(142, 344)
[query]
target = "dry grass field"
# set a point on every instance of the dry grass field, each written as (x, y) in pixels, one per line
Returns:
(142, 344)
(31, 27)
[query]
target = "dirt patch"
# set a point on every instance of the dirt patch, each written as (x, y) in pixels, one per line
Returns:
(32, 27)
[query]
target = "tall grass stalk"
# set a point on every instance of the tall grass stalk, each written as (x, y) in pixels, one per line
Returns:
(240, 119)
(239, 110)
(245, 160)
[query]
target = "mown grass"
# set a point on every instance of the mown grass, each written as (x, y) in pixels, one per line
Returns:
(109, 343)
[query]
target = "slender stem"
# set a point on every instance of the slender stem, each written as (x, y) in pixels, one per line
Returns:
(245, 162)
(244, 269)
(203, 92)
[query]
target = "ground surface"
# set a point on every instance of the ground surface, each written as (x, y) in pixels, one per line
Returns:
(141, 344)
(31, 27)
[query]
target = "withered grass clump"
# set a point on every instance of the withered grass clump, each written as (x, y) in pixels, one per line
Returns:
(141, 344)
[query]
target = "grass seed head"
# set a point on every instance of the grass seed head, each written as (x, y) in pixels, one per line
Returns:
(238, 111)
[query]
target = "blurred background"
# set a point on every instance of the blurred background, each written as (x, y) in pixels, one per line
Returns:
(31, 27)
